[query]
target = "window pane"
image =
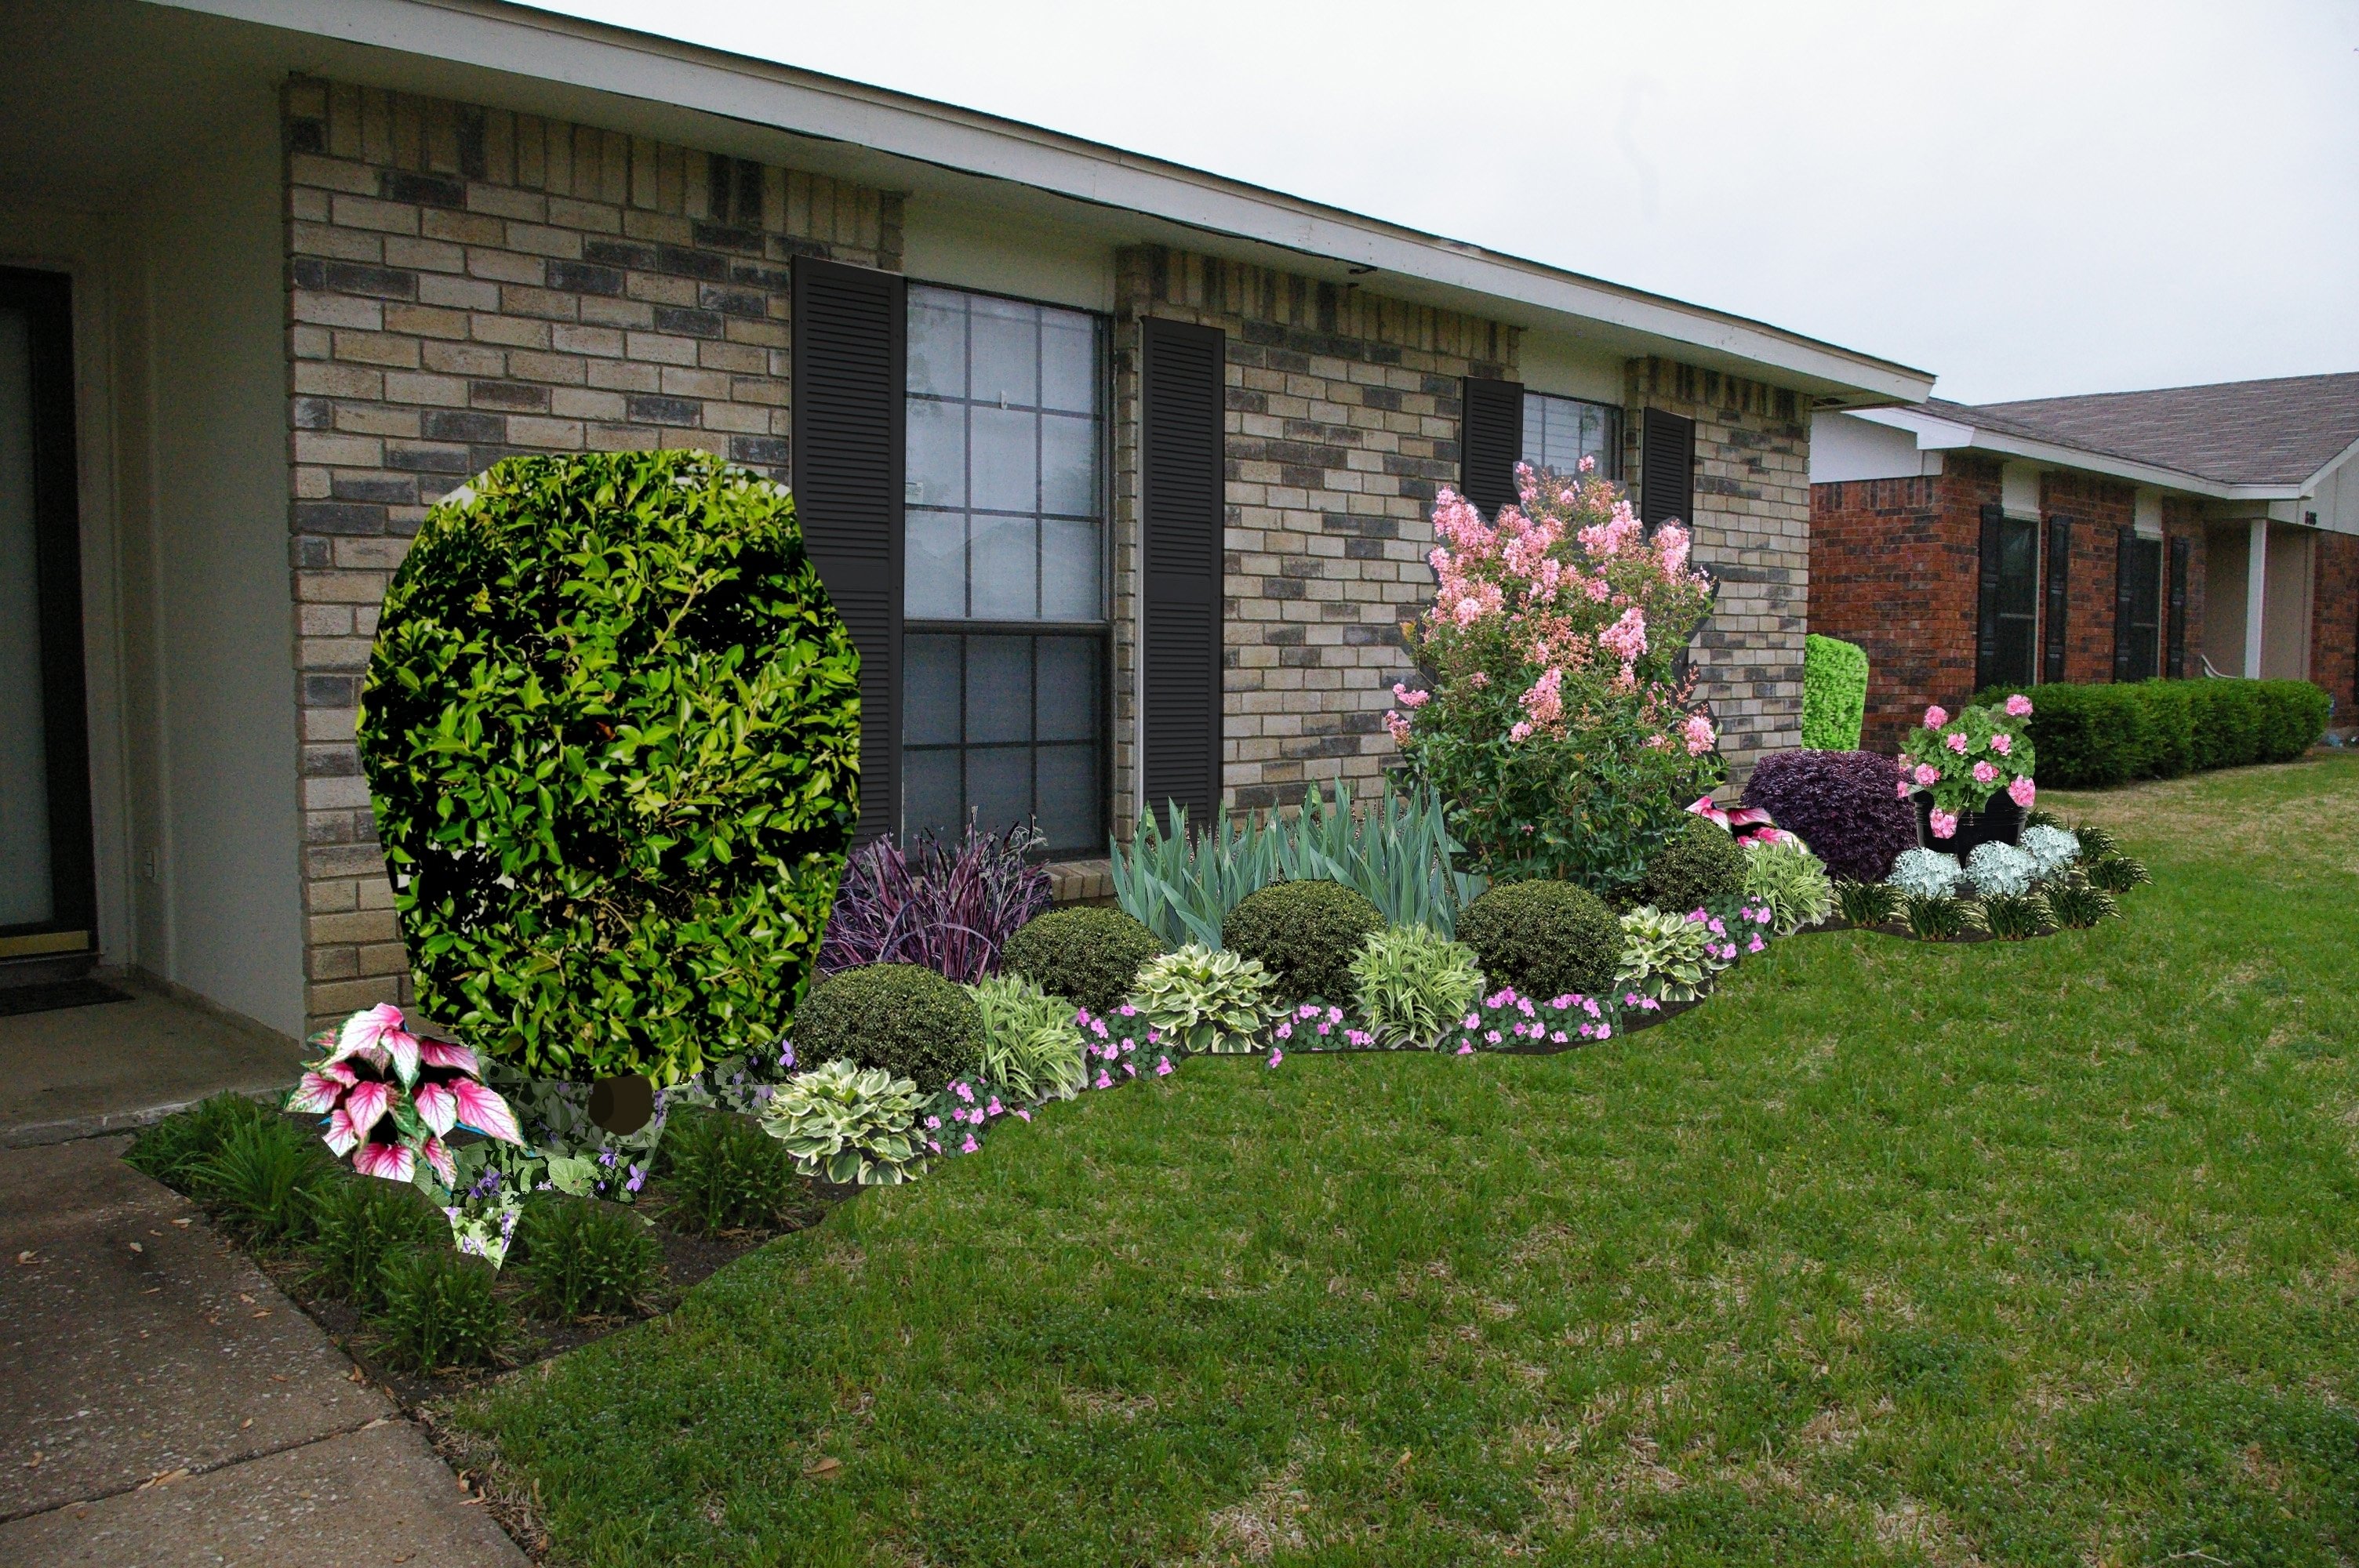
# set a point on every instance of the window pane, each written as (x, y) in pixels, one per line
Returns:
(930, 691)
(1070, 582)
(2018, 566)
(935, 567)
(930, 792)
(1006, 459)
(999, 787)
(1007, 559)
(1069, 688)
(938, 341)
(1068, 796)
(1069, 362)
(1560, 431)
(1006, 351)
(937, 448)
(1069, 465)
(998, 690)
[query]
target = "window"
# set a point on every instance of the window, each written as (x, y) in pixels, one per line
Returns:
(1004, 642)
(1560, 431)
(2139, 605)
(2019, 603)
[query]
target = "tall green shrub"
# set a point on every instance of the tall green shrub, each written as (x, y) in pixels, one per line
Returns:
(611, 728)
(1834, 693)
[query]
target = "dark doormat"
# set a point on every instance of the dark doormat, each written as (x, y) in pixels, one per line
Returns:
(15, 999)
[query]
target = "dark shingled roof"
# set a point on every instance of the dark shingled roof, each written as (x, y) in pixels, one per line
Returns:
(2235, 432)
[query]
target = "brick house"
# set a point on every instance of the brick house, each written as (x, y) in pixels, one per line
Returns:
(2191, 531)
(1120, 470)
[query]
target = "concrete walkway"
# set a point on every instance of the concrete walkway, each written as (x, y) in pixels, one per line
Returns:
(162, 1404)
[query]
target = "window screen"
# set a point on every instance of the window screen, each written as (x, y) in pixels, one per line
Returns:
(1560, 431)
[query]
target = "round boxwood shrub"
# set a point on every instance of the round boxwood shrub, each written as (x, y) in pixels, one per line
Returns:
(1544, 938)
(612, 728)
(1089, 955)
(1306, 935)
(1702, 863)
(910, 1021)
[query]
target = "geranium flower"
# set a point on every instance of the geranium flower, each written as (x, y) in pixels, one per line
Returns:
(2022, 792)
(2002, 742)
(1928, 775)
(2019, 705)
(1985, 773)
(1936, 717)
(1945, 824)
(1956, 741)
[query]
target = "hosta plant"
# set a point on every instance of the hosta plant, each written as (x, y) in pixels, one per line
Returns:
(1933, 918)
(1927, 873)
(1412, 983)
(2001, 870)
(1782, 873)
(1671, 958)
(850, 1125)
(1198, 1000)
(391, 1098)
(1031, 1042)
(2014, 916)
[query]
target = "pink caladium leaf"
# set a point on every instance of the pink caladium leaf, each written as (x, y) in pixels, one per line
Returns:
(366, 1030)
(442, 1053)
(317, 1092)
(485, 1111)
(364, 1102)
(438, 1157)
(402, 1045)
(340, 1136)
(394, 1162)
(438, 1108)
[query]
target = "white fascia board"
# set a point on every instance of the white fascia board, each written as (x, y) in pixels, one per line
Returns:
(1933, 433)
(505, 37)
(1937, 433)
(2311, 485)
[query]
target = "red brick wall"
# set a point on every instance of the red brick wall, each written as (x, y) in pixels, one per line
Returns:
(2335, 624)
(2099, 508)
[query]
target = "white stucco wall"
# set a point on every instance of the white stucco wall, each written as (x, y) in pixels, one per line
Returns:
(2337, 498)
(1844, 449)
(971, 248)
(1565, 366)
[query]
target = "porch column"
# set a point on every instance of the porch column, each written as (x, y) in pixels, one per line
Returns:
(2257, 576)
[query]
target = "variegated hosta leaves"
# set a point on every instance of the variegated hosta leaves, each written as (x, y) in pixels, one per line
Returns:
(852, 1126)
(1203, 1000)
(1666, 955)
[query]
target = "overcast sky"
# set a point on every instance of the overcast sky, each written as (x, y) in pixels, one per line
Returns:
(2027, 199)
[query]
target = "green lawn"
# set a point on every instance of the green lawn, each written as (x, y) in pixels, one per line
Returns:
(2041, 1254)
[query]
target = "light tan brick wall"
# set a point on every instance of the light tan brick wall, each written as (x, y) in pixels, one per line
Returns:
(1342, 424)
(469, 282)
(1751, 527)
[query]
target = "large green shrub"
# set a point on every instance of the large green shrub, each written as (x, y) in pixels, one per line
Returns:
(909, 1022)
(1089, 955)
(1702, 864)
(1544, 937)
(611, 728)
(1306, 935)
(2093, 736)
(1834, 693)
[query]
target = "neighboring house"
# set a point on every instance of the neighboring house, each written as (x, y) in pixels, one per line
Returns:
(2187, 531)
(1120, 471)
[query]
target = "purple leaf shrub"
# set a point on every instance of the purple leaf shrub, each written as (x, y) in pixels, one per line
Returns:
(1845, 804)
(949, 907)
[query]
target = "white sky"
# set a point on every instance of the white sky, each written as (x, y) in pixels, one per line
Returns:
(2027, 198)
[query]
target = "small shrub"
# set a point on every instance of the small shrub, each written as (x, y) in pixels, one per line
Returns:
(2014, 916)
(1412, 983)
(1843, 803)
(1834, 693)
(1543, 937)
(720, 1172)
(2078, 906)
(1306, 935)
(171, 1149)
(1089, 955)
(2052, 849)
(1666, 955)
(852, 1126)
(262, 1181)
(2001, 870)
(1197, 1000)
(578, 1256)
(1783, 874)
(1031, 1045)
(906, 1022)
(360, 1226)
(2116, 872)
(1696, 867)
(440, 1312)
(950, 908)
(1937, 919)
(1867, 903)
(1927, 873)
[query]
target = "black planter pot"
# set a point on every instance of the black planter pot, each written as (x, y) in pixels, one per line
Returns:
(2000, 821)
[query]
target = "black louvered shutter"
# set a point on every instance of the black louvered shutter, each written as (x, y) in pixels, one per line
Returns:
(1182, 506)
(2176, 652)
(1491, 442)
(1666, 468)
(2124, 590)
(2060, 563)
(1986, 583)
(850, 370)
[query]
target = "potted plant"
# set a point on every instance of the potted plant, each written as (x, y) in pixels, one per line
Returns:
(1970, 776)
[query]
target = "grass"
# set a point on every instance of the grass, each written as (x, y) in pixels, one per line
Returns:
(2005, 1253)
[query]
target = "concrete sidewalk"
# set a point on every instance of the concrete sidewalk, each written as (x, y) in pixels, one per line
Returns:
(163, 1404)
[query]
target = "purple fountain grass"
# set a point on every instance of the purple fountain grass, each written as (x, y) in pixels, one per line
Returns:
(949, 907)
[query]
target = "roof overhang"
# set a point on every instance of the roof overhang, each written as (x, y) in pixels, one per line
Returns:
(1936, 433)
(901, 142)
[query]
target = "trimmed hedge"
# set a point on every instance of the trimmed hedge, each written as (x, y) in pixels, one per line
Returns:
(1834, 693)
(2092, 736)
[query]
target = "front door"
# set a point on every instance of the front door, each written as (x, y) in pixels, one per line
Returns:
(46, 902)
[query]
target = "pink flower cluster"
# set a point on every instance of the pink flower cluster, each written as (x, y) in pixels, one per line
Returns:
(1505, 1016)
